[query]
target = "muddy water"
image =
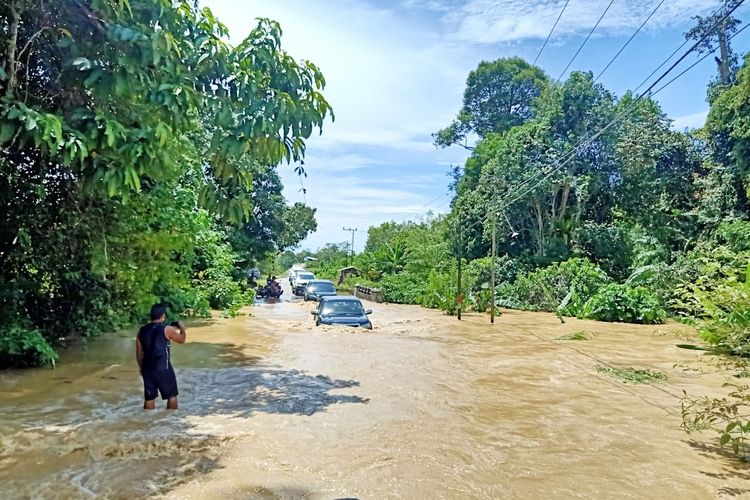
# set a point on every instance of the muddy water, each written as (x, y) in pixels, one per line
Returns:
(421, 407)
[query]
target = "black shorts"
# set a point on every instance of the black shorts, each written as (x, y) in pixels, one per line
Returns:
(164, 381)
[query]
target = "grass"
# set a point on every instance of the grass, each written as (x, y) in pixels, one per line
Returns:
(632, 375)
(575, 336)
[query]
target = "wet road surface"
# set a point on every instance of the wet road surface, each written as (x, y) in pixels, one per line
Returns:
(423, 406)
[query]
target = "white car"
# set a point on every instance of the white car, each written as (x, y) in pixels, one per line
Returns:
(301, 281)
(293, 273)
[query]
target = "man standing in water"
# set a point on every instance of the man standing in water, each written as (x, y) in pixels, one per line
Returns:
(152, 346)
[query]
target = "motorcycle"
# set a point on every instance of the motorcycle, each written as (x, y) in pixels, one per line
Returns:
(271, 290)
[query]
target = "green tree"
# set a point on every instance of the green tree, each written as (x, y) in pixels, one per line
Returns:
(120, 123)
(727, 185)
(499, 95)
(715, 31)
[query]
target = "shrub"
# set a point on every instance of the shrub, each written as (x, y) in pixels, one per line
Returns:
(403, 288)
(440, 292)
(701, 276)
(735, 234)
(476, 279)
(725, 416)
(22, 346)
(726, 324)
(545, 289)
(624, 304)
(660, 278)
(608, 245)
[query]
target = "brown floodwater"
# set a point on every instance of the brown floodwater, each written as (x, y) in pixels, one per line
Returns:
(423, 406)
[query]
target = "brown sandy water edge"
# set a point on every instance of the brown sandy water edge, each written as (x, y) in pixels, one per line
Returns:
(423, 406)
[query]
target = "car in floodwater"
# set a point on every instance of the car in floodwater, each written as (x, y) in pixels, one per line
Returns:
(317, 289)
(296, 269)
(301, 281)
(342, 310)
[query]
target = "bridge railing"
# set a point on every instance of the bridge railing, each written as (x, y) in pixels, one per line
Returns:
(367, 293)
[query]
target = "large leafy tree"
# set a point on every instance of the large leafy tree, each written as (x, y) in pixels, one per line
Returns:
(656, 184)
(118, 91)
(728, 139)
(499, 95)
(121, 123)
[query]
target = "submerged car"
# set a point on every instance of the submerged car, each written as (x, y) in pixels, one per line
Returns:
(342, 310)
(317, 289)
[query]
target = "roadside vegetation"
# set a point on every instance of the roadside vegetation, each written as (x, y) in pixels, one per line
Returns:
(643, 224)
(138, 156)
(647, 223)
(632, 375)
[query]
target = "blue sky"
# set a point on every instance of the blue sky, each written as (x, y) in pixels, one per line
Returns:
(396, 72)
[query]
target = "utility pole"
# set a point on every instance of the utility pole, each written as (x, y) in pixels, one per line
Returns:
(724, 50)
(351, 249)
(494, 255)
(459, 295)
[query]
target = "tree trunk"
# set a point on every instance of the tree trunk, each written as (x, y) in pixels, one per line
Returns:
(564, 202)
(11, 64)
(540, 227)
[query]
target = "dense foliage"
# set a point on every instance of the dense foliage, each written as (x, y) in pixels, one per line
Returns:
(138, 156)
(642, 223)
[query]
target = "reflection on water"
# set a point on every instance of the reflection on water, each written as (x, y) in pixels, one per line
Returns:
(421, 407)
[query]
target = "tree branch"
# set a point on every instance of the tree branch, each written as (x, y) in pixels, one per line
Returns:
(31, 40)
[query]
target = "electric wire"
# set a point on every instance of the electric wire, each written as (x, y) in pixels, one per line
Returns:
(629, 40)
(551, 31)
(575, 151)
(585, 41)
(696, 63)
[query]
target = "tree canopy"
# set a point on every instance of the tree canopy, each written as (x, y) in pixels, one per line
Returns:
(499, 95)
(136, 142)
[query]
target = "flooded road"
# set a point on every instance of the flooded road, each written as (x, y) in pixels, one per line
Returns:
(423, 406)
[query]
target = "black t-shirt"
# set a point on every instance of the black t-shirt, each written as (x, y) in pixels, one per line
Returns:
(155, 346)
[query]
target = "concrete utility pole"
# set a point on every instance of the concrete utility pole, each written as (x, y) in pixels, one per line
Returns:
(459, 295)
(492, 276)
(351, 249)
(494, 255)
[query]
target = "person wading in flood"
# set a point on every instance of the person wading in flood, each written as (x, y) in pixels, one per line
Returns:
(152, 346)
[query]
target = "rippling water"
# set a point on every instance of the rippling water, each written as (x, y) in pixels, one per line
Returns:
(421, 407)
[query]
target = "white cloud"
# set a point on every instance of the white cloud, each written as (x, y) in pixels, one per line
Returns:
(691, 121)
(499, 21)
(396, 73)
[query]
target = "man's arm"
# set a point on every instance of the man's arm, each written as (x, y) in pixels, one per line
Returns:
(138, 353)
(178, 335)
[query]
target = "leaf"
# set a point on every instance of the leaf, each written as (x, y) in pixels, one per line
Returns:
(30, 122)
(724, 439)
(82, 64)
(112, 185)
(93, 77)
(6, 132)
(121, 84)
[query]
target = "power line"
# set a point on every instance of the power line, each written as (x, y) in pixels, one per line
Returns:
(629, 40)
(586, 40)
(586, 141)
(696, 63)
(551, 31)
(575, 151)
